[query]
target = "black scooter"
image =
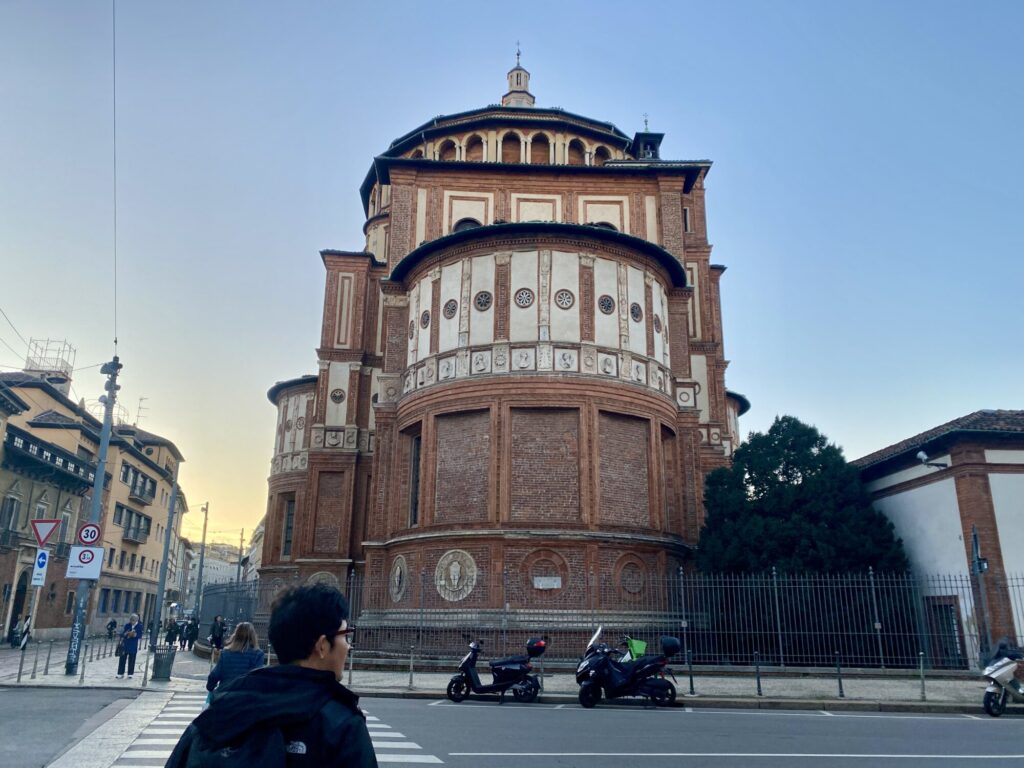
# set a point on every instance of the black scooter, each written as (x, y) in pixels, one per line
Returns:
(512, 674)
(602, 670)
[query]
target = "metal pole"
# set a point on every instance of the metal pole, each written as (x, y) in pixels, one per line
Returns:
(778, 616)
(920, 666)
(412, 650)
(689, 669)
(839, 677)
(878, 622)
(21, 663)
(110, 370)
(757, 671)
(35, 664)
(145, 670)
(202, 557)
(351, 661)
(162, 582)
(81, 677)
(238, 568)
(46, 669)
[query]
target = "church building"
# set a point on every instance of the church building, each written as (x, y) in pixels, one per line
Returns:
(521, 376)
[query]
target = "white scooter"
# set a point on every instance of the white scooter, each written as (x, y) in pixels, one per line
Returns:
(1003, 686)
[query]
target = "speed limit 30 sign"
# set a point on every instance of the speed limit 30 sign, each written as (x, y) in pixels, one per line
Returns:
(89, 534)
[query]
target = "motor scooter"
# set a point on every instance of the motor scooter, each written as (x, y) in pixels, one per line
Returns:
(508, 674)
(602, 670)
(1003, 685)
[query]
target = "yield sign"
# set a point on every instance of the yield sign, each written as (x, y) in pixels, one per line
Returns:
(43, 529)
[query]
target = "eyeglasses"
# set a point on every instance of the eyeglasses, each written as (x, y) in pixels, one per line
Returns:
(348, 631)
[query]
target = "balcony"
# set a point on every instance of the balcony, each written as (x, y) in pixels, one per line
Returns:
(141, 494)
(63, 550)
(13, 539)
(135, 535)
(44, 461)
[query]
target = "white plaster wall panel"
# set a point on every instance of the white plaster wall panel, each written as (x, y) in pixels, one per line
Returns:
(299, 435)
(451, 288)
(1008, 500)
(635, 292)
(696, 327)
(658, 305)
(606, 327)
(699, 371)
(613, 209)
(421, 216)
(343, 314)
(523, 274)
(289, 425)
(385, 196)
(414, 320)
(651, 215)
(530, 207)
(481, 324)
(565, 275)
(337, 378)
(1004, 457)
(467, 205)
(426, 292)
(928, 520)
(282, 416)
(379, 337)
(912, 473)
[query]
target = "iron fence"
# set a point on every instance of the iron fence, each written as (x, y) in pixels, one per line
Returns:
(798, 620)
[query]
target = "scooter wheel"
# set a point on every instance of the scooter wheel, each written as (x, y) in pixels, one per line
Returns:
(457, 690)
(664, 695)
(527, 693)
(994, 702)
(590, 694)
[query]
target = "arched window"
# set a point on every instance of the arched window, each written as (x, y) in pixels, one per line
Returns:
(510, 148)
(475, 149)
(601, 156)
(540, 152)
(577, 153)
(463, 224)
(605, 225)
(446, 151)
(416, 153)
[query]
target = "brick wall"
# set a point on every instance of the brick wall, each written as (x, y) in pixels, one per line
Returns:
(330, 512)
(463, 457)
(624, 491)
(545, 482)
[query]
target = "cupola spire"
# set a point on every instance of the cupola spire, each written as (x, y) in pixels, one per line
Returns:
(518, 85)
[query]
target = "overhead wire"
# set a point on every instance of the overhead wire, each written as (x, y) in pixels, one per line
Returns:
(10, 323)
(113, 22)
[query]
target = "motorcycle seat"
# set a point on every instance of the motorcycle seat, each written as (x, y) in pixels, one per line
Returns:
(511, 660)
(643, 661)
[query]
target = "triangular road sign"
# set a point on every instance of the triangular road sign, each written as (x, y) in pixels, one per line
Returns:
(43, 529)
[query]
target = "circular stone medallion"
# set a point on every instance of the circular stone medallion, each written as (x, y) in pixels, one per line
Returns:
(398, 579)
(455, 575)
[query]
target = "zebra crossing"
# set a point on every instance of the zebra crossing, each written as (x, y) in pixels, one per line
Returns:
(155, 743)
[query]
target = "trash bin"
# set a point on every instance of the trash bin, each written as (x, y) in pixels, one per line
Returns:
(163, 660)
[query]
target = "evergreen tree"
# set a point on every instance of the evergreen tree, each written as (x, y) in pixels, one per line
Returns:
(791, 500)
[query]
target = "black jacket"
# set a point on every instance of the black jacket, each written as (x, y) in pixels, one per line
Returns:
(234, 664)
(321, 720)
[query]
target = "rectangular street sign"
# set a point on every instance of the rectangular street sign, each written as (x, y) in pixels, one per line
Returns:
(39, 571)
(85, 563)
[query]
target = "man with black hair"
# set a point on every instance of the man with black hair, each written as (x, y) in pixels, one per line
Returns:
(295, 714)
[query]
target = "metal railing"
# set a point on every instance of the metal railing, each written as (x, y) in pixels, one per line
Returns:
(785, 620)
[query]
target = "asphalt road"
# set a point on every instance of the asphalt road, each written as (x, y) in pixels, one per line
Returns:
(39, 723)
(472, 734)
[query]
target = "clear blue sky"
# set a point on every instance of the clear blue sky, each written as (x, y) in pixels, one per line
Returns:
(866, 193)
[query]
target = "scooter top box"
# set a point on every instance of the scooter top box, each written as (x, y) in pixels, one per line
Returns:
(670, 646)
(535, 646)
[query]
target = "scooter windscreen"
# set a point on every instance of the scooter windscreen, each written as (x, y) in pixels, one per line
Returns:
(595, 638)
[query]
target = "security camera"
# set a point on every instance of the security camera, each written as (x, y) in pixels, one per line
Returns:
(922, 457)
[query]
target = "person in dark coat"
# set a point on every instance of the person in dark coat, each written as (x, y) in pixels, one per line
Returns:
(242, 654)
(172, 632)
(302, 698)
(192, 632)
(217, 631)
(130, 635)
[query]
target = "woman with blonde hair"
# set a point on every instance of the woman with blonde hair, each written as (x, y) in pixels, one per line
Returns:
(242, 654)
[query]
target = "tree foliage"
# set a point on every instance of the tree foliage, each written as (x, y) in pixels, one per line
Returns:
(790, 500)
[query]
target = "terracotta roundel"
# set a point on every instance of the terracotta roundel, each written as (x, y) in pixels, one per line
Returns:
(399, 579)
(337, 395)
(657, 324)
(636, 312)
(564, 299)
(450, 308)
(523, 298)
(412, 328)
(425, 318)
(606, 304)
(483, 301)
(455, 575)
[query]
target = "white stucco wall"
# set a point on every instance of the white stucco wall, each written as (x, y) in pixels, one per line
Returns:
(1004, 457)
(565, 274)
(635, 293)
(481, 324)
(928, 521)
(1008, 500)
(523, 274)
(451, 288)
(606, 327)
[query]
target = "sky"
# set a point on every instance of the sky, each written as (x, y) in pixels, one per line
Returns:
(866, 192)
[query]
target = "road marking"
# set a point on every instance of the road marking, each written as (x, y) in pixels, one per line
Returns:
(371, 726)
(372, 719)
(688, 709)
(145, 741)
(396, 745)
(435, 703)
(972, 717)
(406, 759)
(826, 714)
(560, 706)
(789, 755)
(387, 735)
(163, 754)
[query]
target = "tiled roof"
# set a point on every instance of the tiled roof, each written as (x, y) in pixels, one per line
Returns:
(52, 417)
(995, 422)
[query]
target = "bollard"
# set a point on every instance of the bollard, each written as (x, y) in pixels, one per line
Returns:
(920, 666)
(145, 670)
(757, 671)
(839, 677)
(412, 649)
(351, 658)
(542, 674)
(91, 648)
(35, 664)
(21, 663)
(81, 677)
(46, 669)
(689, 669)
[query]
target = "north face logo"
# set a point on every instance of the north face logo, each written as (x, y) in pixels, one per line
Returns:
(295, 748)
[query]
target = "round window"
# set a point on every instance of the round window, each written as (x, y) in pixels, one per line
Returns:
(524, 298)
(636, 312)
(412, 328)
(483, 301)
(564, 299)
(425, 318)
(606, 304)
(657, 324)
(450, 308)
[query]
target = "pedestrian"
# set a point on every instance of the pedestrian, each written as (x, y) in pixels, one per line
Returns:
(128, 646)
(296, 713)
(241, 655)
(172, 633)
(217, 631)
(16, 629)
(111, 626)
(192, 631)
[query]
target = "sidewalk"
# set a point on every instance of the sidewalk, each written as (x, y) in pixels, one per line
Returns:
(890, 692)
